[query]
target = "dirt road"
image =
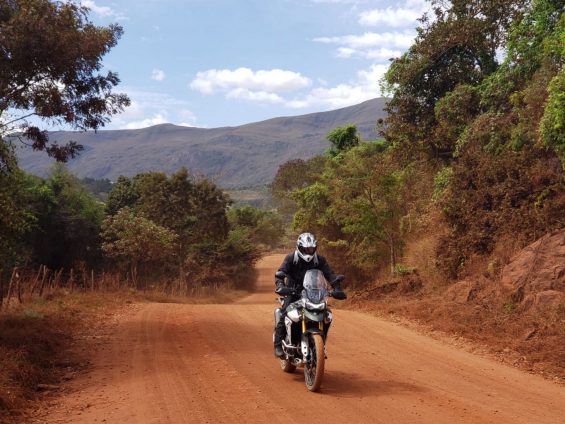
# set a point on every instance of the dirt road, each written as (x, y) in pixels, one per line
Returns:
(170, 363)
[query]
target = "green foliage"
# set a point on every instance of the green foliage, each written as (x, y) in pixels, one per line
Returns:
(441, 182)
(264, 228)
(122, 194)
(400, 269)
(515, 194)
(457, 48)
(136, 238)
(294, 175)
(553, 122)
(361, 208)
(208, 248)
(485, 120)
(342, 139)
(228, 262)
(66, 87)
(99, 188)
(16, 220)
(68, 221)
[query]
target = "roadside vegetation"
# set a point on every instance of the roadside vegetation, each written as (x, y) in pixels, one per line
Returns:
(468, 169)
(70, 248)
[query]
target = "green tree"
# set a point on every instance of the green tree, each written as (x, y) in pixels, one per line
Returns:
(294, 175)
(456, 47)
(342, 139)
(264, 228)
(193, 209)
(16, 220)
(68, 220)
(122, 194)
(50, 68)
(553, 121)
(136, 240)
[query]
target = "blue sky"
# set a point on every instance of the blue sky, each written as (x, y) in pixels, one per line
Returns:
(211, 63)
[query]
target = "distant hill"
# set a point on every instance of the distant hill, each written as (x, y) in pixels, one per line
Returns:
(247, 155)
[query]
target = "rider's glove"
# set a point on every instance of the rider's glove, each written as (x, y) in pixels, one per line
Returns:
(279, 286)
(338, 292)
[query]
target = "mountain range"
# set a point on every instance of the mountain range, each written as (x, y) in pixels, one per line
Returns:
(242, 156)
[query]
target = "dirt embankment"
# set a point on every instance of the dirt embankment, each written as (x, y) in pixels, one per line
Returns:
(519, 315)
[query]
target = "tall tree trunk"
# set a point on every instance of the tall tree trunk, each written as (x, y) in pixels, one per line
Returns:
(392, 250)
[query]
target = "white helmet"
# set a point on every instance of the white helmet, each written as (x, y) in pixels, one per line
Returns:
(306, 246)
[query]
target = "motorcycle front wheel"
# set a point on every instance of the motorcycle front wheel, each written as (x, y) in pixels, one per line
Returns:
(314, 369)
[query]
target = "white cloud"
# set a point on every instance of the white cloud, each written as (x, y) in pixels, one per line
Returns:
(158, 75)
(396, 17)
(269, 81)
(254, 96)
(147, 122)
(338, 1)
(152, 108)
(103, 11)
(273, 87)
(378, 47)
(395, 39)
(379, 55)
(366, 86)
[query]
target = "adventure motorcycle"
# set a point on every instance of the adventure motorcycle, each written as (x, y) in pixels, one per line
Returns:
(307, 323)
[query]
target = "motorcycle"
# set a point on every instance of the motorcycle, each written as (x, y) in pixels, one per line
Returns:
(307, 323)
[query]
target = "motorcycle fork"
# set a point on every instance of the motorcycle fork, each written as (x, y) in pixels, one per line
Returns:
(320, 325)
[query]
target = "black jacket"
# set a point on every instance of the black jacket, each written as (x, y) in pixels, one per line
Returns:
(296, 269)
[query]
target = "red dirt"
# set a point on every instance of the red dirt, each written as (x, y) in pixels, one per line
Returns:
(173, 363)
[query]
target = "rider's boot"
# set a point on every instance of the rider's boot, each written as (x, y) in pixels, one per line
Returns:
(279, 352)
(280, 332)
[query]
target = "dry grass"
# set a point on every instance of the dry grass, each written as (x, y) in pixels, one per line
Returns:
(35, 338)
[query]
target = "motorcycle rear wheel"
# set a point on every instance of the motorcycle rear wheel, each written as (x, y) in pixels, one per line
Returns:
(287, 366)
(314, 369)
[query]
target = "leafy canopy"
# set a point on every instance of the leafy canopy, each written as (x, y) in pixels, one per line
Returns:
(50, 68)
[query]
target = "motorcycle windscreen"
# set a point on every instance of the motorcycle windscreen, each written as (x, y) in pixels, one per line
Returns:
(315, 286)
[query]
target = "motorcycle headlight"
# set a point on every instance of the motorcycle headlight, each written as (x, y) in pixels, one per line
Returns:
(315, 306)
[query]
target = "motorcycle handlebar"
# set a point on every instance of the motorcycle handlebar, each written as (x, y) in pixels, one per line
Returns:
(286, 291)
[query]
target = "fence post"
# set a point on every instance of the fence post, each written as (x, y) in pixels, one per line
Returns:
(35, 281)
(43, 281)
(14, 272)
(19, 288)
(57, 279)
(71, 280)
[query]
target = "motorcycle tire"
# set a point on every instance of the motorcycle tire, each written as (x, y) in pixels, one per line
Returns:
(314, 369)
(287, 366)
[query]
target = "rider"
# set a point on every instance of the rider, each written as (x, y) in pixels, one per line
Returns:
(294, 268)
